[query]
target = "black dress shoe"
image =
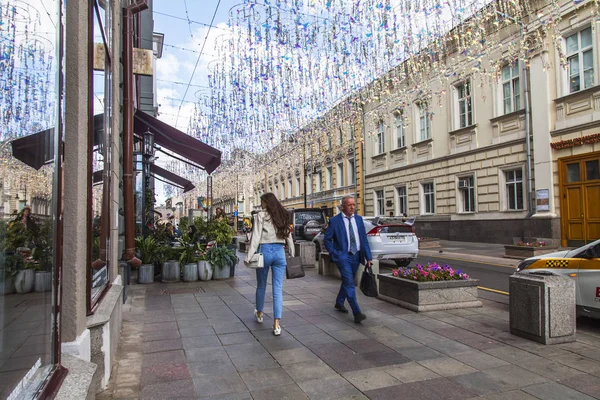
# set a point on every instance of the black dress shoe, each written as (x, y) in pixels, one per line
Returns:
(341, 309)
(358, 318)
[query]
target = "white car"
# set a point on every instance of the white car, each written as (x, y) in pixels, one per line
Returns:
(581, 264)
(390, 238)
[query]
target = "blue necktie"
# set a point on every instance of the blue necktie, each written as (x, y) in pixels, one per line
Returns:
(352, 249)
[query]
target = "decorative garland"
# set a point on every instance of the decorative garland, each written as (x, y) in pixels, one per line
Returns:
(580, 141)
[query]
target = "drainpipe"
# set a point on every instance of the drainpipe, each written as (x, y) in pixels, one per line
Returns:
(128, 86)
(528, 138)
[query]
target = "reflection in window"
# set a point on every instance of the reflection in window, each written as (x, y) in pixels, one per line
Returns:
(514, 189)
(592, 170)
(573, 174)
(379, 202)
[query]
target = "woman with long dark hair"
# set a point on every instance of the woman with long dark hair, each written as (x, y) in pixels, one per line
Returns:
(270, 232)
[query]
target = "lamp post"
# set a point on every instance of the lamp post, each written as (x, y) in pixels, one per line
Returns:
(293, 139)
(148, 157)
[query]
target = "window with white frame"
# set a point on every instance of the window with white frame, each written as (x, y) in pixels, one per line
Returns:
(329, 177)
(402, 203)
(511, 88)
(351, 171)
(513, 180)
(340, 137)
(465, 104)
(424, 121)
(282, 194)
(309, 184)
(580, 60)
(289, 189)
(379, 202)
(400, 139)
(380, 143)
(466, 193)
(319, 181)
(328, 142)
(428, 199)
(298, 186)
(340, 175)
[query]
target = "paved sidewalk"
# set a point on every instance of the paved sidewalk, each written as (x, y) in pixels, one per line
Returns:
(200, 340)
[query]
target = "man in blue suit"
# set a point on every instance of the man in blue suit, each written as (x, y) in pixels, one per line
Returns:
(346, 241)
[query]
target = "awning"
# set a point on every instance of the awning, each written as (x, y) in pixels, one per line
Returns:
(167, 176)
(172, 139)
(37, 149)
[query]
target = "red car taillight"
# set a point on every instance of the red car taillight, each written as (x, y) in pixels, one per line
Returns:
(374, 231)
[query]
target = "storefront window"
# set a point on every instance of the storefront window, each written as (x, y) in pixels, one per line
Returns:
(29, 165)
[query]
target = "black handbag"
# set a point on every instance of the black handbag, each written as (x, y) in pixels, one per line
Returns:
(368, 284)
(294, 268)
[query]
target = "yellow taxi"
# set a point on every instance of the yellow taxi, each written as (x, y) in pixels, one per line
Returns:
(582, 264)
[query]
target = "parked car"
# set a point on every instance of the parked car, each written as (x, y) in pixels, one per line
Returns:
(581, 264)
(307, 222)
(390, 238)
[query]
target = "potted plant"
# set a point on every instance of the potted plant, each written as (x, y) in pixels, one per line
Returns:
(148, 250)
(188, 259)
(205, 270)
(221, 258)
(17, 238)
(528, 249)
(42, 254)
(429, 288)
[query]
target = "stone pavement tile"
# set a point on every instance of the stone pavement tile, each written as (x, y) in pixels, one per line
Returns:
(510, 395)
(165, 357)
(447, 366)
(310, 312)
(315, 339)
(516, 377)
(230, 396)
(161, 335)
(576, 361)
(346, 362)
(211, 368)
(193, 323)
(479, 360)
(333, 326)
(230, 328)
(555, 391)
(549, 369)
(584, 383)
(512, 354)
(347, 335)
(160, 326)
(293, 356)
(164, 373)
(208, 385)
(197, 331)
(250, 363)
(370, 379)
(420, 353)
(301, 330)
(169, 390)
(432, 324)
(280, 343)
(236, 338)
(449, 347)
(481, 343)
(378, 331)
(245, 350)
(163, 317)
(366, 346)
(265, 378)
(308, 370)
(480, 383)
(200, 341)
(328, 388)
(399, 342)
(288, 392)
(162, 345)
(206, 354)
(410, 372)
(385, 358)
(397, 392)
(192, 316)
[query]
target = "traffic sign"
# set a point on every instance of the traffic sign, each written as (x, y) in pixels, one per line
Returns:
(235, 213)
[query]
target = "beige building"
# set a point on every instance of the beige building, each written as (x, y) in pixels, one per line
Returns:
(456, 156)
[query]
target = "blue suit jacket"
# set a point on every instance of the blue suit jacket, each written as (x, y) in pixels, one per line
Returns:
(336, 239)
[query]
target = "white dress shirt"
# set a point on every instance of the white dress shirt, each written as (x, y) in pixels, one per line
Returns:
(355, 228)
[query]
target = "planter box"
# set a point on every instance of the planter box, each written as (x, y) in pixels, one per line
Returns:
(429, 243)
(521, 252)
(428, 296)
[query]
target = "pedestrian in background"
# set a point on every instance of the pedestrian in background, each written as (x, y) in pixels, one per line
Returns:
(270, 232)
(346, 241)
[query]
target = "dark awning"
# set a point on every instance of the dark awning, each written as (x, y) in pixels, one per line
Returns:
(156, 171)
(172, 139)
(37, 149)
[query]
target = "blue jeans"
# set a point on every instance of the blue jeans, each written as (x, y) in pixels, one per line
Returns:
(274, 257)
(348, 268)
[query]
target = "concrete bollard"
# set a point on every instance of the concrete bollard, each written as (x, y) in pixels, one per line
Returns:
(306, 251)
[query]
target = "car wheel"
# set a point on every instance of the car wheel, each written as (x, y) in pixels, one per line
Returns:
(317, 250)
(402, 263)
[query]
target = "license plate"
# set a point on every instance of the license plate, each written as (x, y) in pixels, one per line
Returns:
(396, 239)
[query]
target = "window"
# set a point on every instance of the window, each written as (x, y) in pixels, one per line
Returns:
(465, 105)
(319, 181)
(328, 142)
(514, 189)
(289, 189)
(340, 175)
(318, 147)
(511, 88)
(340, 137)
(309, 184)
(400, 140)
(424, 122)
(276, 191)
(297, 186)
(351, 172)
(402, 202)
(428, 198)
(466, 192)
(580, 60)
(329, 177)
(380, 146)
(379, 202)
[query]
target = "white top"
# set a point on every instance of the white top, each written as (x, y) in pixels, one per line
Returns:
(355, 229)
(264, 232)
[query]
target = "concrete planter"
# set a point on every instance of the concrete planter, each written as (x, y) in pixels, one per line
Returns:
(205, 271)
(7, 286)
(43, 281)
(307, 253)
(428, 296)
(190, 272)
(429, 243)
(24, 281)
(222, 273)
(522, 252)
(146, 273)
(170, 271)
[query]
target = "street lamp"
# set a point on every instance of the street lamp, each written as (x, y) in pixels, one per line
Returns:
(148, 157)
